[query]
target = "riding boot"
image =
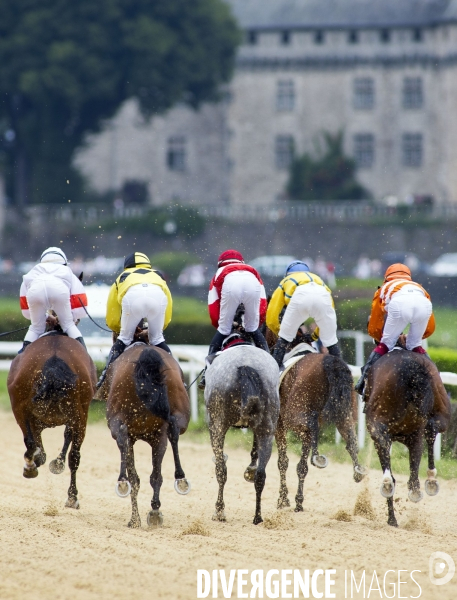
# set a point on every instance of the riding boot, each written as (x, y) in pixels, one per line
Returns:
(334, 350)
(421, 350)
(117, 349)
(279, 350)
(82, 342)
(259, 340)
(374, 356)
(24, 346)
(215, 346)
(163, 346)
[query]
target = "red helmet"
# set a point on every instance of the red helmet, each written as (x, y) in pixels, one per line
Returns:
(397, 271)
(230, 256)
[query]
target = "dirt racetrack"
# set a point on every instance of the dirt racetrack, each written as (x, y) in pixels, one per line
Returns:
(51, 553)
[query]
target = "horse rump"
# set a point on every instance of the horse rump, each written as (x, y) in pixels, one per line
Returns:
(339, 404)
(415, 382)
(251, 390)
(55, 381)
(150, 383)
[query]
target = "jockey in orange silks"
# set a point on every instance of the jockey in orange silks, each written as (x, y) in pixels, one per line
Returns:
(51, 284)
(397, 303)
(235, 283)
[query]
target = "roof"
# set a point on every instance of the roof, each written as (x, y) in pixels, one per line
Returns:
(316, 14)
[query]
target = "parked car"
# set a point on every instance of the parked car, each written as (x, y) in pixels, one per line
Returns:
(445, 265)
(272, 266)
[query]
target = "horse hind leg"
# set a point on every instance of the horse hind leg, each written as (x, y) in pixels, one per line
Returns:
(382, 443)
(182, 485)
(302, 469)
(251, 469)
(283, 464)
(431, 484)
(32, 451)
(57, 465)
(347, 431)
(217, 434)
(415, 445)
(317, 460)
(123, 486)
(265, 444)
(134, 480)
(159, 445)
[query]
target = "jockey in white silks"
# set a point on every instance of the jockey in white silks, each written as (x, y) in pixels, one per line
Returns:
(51, 284)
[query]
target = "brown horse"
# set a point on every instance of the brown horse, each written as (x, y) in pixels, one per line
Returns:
(146, 400)
(52, 383)
(317, 389)
(405, 402)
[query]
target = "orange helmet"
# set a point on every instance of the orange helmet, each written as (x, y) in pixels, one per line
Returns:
(397, 271)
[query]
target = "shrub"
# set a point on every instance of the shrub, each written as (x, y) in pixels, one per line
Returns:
(353, 315)
(172, 263)
(444, 358)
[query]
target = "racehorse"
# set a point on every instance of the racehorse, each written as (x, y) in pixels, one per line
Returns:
(405, 402)
(146, 400)
(316, 389)
(52, 383)
(242, 389)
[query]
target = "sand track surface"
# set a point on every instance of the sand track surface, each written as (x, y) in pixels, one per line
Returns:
(48, 552)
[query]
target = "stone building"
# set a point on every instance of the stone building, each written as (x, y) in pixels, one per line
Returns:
(382, 71)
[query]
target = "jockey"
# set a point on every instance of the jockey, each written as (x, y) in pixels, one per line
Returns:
(51, 284)
(305, 296)
(235, 283)
(138, 293)
(397, 303)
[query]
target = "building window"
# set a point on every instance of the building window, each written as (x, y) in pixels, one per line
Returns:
(319, 37)
(417, 35)
(251, 38)
(285, 95)
(413, 96)
(284, 151)
(412, 148)
(285, 38)
(384, 36)
(364, 150)
(364, 93)
(176, 153)
(353, 37)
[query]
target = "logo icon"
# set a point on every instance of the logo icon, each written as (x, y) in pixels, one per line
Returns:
(437, 564)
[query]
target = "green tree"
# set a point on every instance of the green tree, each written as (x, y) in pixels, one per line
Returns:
(329, 176)
(67, 65)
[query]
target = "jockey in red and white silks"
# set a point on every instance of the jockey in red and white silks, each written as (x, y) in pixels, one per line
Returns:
(52, 285)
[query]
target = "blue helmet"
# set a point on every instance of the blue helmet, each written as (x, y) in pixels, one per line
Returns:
(297, 265)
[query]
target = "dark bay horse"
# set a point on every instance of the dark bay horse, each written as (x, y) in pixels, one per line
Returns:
(146, 400)
(405, 402)
(317, 389)
(242, 389)
(52, 383)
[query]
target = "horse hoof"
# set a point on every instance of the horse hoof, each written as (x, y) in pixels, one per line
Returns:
(387, 489)
(154, 519)
(320, 461)
(415, 495)
(39, 457)
(182, 486)
(298, 509)
(219, 515)
(283, 503)
(72, 503)
(363, 471)
(392, 522)
(57, 466)
(432, 487)
(135, 524)
(249, 474)
(30, 473)
(225, 458)
(123, 488)
(257, 519)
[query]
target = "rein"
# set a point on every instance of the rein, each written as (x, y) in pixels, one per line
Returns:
(191, 384)
(94, 322)
(14, 331)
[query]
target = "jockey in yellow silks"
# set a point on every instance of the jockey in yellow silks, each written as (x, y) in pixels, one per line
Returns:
(305, 295)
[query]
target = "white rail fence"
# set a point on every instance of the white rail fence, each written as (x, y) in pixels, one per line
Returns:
(192, 360)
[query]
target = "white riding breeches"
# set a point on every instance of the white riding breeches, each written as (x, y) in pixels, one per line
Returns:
(310, 300)
(49, 293)
(407, 308)
(143, 301)
(240, 287)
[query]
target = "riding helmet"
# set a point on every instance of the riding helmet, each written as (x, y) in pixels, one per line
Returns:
(397, 271)
(296, 266)
(54, 255)
(230, 256)
(137, 259)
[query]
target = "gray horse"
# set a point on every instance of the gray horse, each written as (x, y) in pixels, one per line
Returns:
(242, 389)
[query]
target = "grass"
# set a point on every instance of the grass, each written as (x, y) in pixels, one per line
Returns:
(446, 328)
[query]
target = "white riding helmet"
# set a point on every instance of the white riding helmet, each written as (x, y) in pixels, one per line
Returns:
(54, 255)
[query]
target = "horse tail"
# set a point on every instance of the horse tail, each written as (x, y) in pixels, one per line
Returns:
(150, 383)
(55, 382)
(339, 404)
(416, 383)
(251, 390)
